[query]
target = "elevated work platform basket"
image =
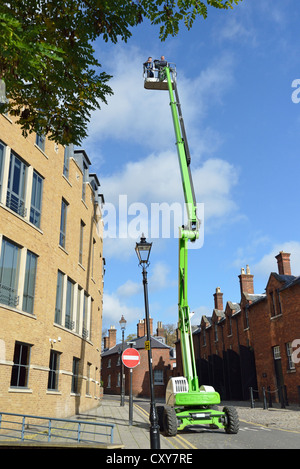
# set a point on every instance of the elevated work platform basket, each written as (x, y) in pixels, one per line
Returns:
(155, 79)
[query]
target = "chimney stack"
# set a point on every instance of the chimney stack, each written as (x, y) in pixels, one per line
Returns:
(160, 330)
(283, 262)
(112, 336)
(218, 296)
(142, 327)
(106, 342)
(246, 281)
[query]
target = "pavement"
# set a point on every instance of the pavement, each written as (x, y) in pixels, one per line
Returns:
(136, 436)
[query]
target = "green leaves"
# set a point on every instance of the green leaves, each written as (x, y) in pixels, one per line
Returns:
(53, 80)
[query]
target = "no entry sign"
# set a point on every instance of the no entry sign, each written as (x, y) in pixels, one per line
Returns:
(131, 357)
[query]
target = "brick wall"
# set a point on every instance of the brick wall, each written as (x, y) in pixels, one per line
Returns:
(36, 329)
(248, 333)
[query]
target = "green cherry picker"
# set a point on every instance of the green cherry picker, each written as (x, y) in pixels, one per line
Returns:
(187, 403)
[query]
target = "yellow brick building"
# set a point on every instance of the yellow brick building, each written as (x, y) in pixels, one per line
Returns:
(51, 276)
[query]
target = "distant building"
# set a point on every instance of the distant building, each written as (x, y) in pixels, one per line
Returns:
(163, 362)
(253, 343)
(51, 276)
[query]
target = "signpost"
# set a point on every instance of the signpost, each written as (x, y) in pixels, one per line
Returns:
(131, 359)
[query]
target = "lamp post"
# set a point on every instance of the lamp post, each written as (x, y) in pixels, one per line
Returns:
(142, 250)
(122, 323)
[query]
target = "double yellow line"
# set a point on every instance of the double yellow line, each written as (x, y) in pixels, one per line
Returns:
(174, 440)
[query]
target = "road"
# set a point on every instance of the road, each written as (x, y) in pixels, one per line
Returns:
(250, 436)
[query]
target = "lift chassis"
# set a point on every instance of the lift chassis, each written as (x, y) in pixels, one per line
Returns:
(187, 403)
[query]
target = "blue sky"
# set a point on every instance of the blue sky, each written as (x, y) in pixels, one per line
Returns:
(235, 72)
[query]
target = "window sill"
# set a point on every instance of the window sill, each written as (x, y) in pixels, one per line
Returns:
(7, 118)
(67, 180)
(56, 393)
(20, 390)
(43, 153)
(63, 249)
(272, 318)
(19, 311)
(21, 218)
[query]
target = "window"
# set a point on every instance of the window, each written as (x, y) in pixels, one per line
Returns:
(273, 306)
(53, 370)
(63, 223)
(89, 365)
(276, 352)
(216, 332)
(69, 323)
(85, 332)
(67, 155)
(279, 301)
(109, 363)
(229, 323)
(20, 369)
(9, 273)
(85, 179)
(40, 141)
(82, 225)
(79, 294)
(15, 197)
(29, 283)
(72, 306)
(93, 257)
(289, 352)
(246, 317)
(36, 199)
(2, 149)
(59, 298)
(204, 336)
(158, 376)
(75, 373)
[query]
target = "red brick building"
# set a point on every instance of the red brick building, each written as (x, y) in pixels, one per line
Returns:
(163, 361)
(252, 343)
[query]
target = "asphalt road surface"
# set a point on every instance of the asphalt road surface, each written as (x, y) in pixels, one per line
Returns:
(250, 436)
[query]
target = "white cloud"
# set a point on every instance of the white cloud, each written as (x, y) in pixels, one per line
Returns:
(142, 116)
(113, 309)
(269, 264)
(157, 179)
(158, 280)
(129, 288)
(160, 277)
(141, 190)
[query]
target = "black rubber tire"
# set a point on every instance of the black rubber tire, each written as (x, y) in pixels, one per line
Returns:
(170, 421)
(160, 416)
(232, 424)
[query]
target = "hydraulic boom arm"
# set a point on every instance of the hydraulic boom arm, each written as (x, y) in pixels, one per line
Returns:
(190, 232)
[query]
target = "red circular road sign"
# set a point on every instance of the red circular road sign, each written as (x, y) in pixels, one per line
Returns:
(131, 357)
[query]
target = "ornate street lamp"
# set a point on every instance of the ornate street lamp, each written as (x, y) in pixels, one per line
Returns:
(122, 323)
(142, 250)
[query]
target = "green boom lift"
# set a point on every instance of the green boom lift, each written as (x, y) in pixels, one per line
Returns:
(187, 403)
